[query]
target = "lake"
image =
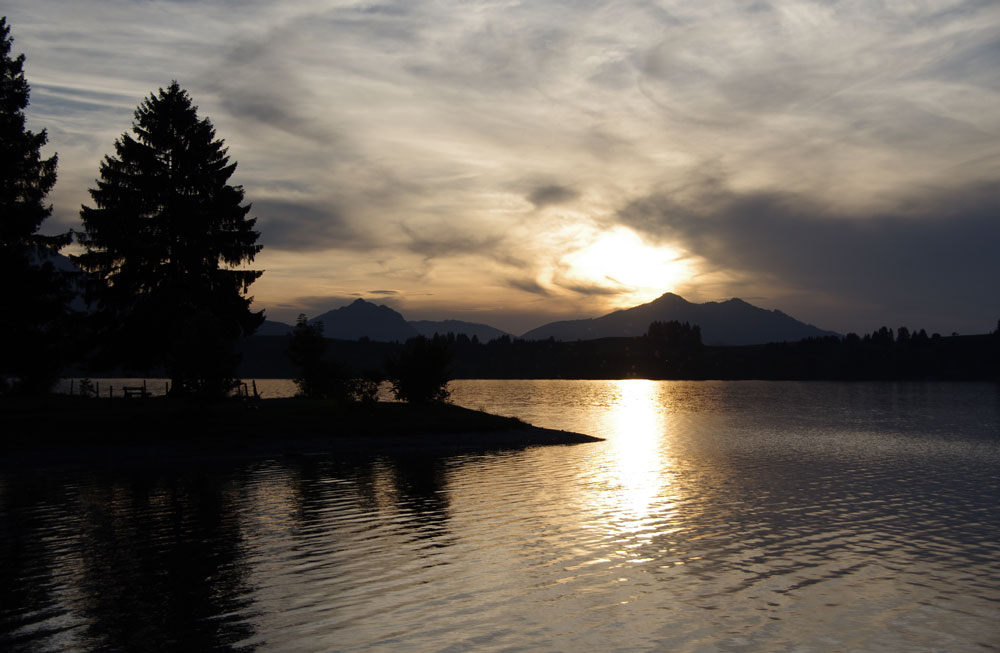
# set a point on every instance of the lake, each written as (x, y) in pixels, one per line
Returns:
(752, 516)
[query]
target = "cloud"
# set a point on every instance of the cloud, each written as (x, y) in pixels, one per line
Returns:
(528, 285)
(258, 80)
(591, 289)
(442, 241)
(772, 139)
(551, 194)
(303, 226)
(929, 257)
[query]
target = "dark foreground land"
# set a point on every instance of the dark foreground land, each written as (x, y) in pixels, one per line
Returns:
(73, 425)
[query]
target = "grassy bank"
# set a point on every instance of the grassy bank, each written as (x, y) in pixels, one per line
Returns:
(59, 420)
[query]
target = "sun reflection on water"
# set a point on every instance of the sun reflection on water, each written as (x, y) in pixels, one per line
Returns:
(637, 426)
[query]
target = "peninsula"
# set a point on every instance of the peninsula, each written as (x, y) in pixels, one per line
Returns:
(72, 423)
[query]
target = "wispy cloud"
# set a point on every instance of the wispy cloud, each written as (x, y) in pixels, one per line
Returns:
(417, 141)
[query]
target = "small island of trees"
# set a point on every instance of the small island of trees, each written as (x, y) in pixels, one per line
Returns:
(166, 247)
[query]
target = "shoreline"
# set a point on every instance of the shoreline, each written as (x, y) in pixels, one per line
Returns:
(104, 456)
(59, 427)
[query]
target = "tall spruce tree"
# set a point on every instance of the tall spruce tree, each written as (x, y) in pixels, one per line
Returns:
(33, 324)
(162, 248)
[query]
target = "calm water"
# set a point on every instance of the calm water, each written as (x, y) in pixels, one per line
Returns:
(716, 516)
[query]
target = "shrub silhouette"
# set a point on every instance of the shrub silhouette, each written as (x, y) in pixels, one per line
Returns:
(421, 371)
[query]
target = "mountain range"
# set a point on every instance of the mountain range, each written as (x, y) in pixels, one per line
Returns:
(732, 322)
(363, 319)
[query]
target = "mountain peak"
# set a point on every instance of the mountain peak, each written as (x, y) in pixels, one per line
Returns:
(669, 297)
(361, 319)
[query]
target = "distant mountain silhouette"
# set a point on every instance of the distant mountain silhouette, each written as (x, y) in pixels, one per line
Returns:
(483, 332)
(273, 328)
(363, 319)
(732, 322)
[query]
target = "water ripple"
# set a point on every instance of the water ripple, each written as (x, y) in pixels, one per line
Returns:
(715, 516)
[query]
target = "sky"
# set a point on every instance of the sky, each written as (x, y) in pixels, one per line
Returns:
(517, 162)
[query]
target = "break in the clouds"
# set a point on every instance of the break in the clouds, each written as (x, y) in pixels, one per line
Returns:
(836, 160)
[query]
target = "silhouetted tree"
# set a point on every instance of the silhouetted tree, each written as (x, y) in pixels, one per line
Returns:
(420, 372)
(34, 322)
(161, 245)
(318, 378)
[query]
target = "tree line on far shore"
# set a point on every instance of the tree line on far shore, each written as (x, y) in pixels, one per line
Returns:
(670, 350)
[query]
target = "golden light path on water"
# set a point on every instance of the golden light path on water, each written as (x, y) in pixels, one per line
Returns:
(638, 425)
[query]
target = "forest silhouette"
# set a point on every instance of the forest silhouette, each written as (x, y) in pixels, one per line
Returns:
(671, 350)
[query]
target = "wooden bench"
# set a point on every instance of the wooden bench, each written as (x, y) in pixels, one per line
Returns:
(134, 391)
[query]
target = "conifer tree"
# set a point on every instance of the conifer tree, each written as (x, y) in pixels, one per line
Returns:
(32, 327)
(163, 245)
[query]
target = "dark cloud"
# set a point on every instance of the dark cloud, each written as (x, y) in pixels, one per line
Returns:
(591, 289)
(975, 62)
(59, 99)
(256, 81)
(303, 226)
(385, 9)
(528, 285)
(931, 259)
(552, 194)
(383, 292)
(446, 241)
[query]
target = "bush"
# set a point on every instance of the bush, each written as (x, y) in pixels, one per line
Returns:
(364, 388)
(421, 371)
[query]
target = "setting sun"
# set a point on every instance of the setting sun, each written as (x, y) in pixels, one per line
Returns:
(619, 260)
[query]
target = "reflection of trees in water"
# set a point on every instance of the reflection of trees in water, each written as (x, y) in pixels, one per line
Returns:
(414, 487)
(174, 557)
(162, 561)
(421, 487)
(34, 517)
(154, 563)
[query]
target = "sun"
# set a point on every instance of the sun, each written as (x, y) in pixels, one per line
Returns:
(619, 262)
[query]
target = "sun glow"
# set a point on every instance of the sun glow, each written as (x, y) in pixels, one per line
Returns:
(619, 262)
